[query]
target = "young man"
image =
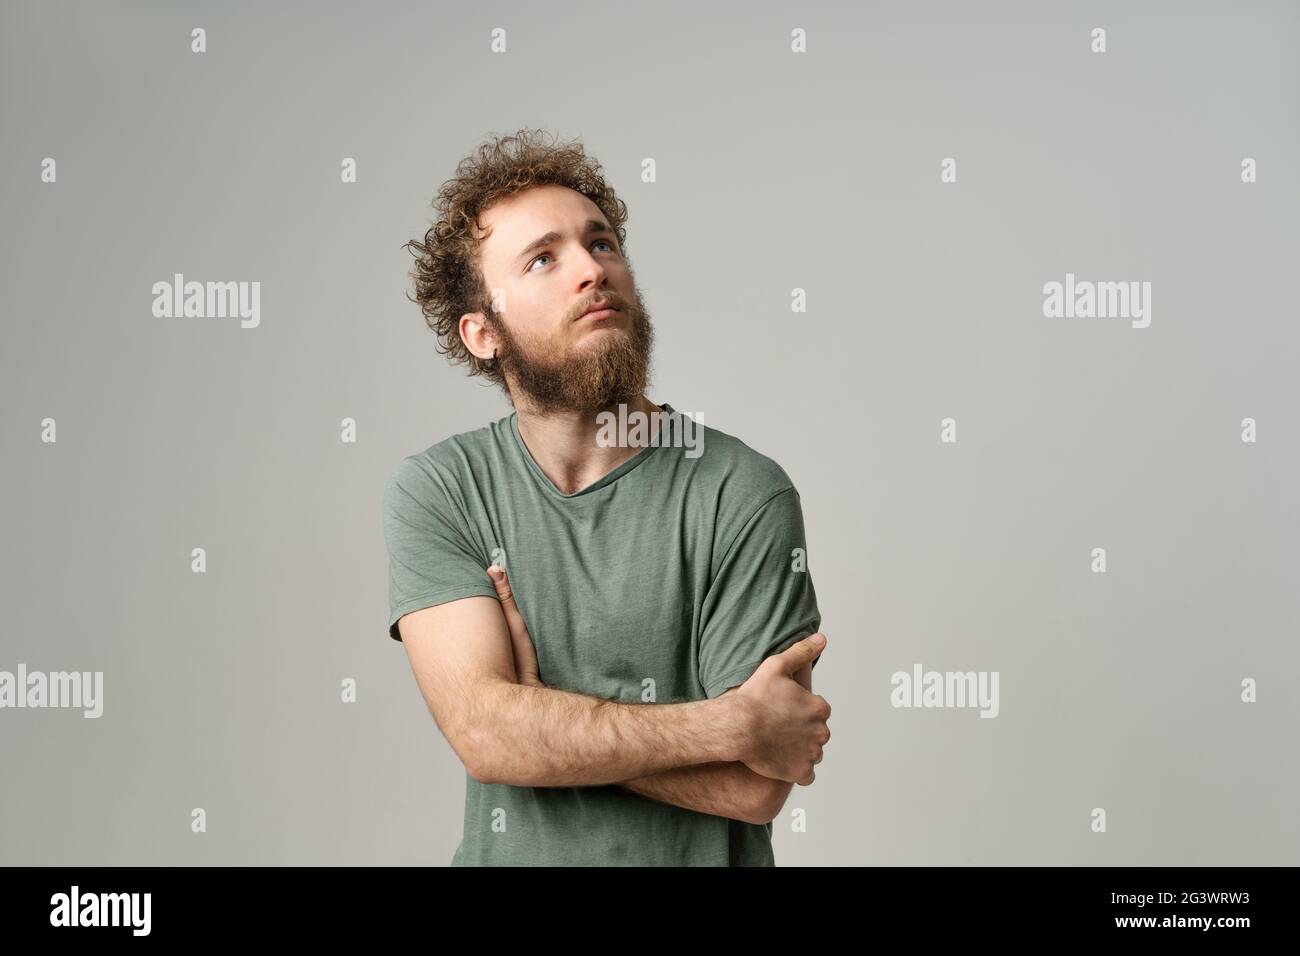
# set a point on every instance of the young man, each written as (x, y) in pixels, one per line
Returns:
(631, 683)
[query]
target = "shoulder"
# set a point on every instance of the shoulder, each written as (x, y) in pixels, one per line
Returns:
(740, 473)
(744, 496)
(441, 468)
(735, 487)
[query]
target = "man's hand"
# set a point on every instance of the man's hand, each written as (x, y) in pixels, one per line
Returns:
(521, 644)
(789, 722)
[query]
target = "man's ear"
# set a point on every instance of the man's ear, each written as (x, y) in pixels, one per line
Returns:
(476, 335)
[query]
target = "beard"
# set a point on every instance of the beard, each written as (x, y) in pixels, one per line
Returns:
(612, 369)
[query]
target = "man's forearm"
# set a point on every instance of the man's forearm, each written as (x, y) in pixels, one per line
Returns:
(529, 736)
(725, 789)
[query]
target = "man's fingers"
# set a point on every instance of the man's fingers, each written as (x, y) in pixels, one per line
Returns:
(525, 656)
(804, 677)
(502, 583)
(802, 652)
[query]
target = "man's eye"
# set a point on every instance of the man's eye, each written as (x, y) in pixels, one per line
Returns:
(547, 255)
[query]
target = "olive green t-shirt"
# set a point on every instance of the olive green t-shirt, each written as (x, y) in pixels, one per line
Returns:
(669, 579)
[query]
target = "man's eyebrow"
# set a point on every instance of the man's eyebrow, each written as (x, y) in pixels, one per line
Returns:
(593, 225)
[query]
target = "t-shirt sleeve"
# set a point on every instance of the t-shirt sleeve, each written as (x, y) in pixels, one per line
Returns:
(762, 599)
(431, 557)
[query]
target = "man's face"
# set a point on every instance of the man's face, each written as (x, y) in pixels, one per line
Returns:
(550, 256)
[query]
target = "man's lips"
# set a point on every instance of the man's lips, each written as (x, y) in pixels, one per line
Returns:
(599, 310)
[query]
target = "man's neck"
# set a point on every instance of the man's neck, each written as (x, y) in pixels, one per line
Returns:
(564, 443)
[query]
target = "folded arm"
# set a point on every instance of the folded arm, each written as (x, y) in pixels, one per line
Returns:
(726, 789)
(528, 735)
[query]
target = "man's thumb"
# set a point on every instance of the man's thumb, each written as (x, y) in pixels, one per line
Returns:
(501, 582)
(802, 652)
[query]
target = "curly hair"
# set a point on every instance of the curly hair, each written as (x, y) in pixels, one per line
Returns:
(448, 280)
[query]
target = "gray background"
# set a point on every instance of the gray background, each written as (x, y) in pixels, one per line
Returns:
(775, 171)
